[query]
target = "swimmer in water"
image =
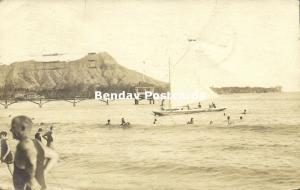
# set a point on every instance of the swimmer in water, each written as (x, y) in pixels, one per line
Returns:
(124, 124)
(49, 137)
(213, 105)
(154, 122)
(108, 122)
(32, 159)
(191, 121)
(199, 105)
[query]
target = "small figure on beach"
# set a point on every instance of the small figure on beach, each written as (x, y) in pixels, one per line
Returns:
(49, 137)
(38, 135)
(6, 154)
(224, 114)
(211, 122)
(245, 111)
(32, 159)
(124, 124)
(108, 122)
(191, 121)
(241, 117)
(199, 105)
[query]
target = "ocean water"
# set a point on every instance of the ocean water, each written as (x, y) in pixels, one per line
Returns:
(260, 152)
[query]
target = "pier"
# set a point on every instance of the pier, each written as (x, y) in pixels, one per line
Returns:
(41, 101)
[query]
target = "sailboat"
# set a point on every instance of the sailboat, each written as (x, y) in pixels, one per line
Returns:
(184, 80)
(166, 112)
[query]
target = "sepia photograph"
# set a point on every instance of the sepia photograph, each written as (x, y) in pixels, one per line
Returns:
(149, 95)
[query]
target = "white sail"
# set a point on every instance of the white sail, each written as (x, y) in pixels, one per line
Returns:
(190, 78)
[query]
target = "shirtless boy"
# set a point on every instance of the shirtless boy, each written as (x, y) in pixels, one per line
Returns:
(32, 159)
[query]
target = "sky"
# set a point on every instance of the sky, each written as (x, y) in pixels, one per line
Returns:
(234, 42)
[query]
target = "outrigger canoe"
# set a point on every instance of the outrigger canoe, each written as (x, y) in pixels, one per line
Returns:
(185, 111)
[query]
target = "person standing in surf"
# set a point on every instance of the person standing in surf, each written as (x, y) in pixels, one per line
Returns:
(199, 105)
(6, 154)
(154, 122)
(32, 159)
(228, 120)
(124, 124)
(38, 135)
(108, 122)
(49, 137)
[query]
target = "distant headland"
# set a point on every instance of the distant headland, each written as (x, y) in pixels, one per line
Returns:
(231, 90)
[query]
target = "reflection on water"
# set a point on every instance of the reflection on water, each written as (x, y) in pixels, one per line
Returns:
(259, 152)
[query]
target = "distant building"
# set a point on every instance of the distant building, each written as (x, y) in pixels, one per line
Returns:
(21, 96)
(142, 90)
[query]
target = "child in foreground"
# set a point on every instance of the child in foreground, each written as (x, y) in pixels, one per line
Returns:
(32, 159)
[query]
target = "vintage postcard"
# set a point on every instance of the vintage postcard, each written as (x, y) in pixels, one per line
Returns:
(149, 95)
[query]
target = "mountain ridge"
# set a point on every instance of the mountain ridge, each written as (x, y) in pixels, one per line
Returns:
(91, 72)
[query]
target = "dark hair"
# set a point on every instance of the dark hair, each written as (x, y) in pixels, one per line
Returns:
(4, 133)
(40, 130)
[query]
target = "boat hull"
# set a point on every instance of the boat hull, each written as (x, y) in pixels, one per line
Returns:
(192, 111)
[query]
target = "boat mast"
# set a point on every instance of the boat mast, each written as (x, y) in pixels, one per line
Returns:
(170, 83)
(143, 71)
